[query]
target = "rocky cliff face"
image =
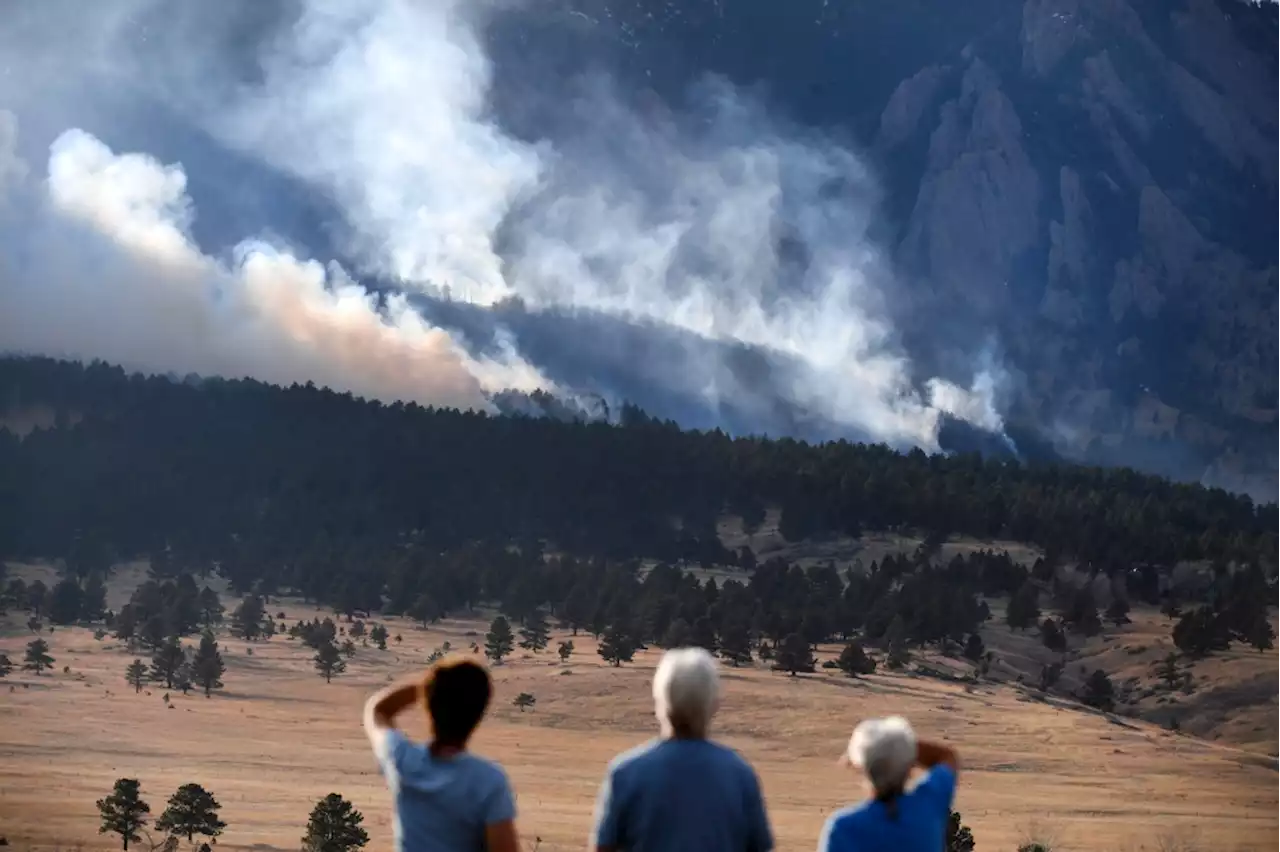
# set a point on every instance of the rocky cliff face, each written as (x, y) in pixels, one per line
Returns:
(1091, 182)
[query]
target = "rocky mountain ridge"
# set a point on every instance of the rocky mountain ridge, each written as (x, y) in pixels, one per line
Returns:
(1090, 184)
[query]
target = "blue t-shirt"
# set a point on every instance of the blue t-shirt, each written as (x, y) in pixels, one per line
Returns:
(681, 796)
(442, 804)
(920, 826)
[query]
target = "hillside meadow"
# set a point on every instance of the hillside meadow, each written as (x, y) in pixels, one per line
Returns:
(278, 737)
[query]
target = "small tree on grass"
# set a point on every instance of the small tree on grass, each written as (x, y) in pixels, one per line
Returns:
(329, 661)
(348, 648)
(37, 658)
(793, 655)
(565, 650)
(853, 661)
(974, 649)
(1168, 672)
(207, 666)
(378, 634)
(123, 812)
(959, 837)
(334, 826)
(533, 636)
(735, 645)
(166, 661)
(192, 810)
(136, 675)
(524, 700)
(616, 647)
(6, 665)
(498, 642)
(1098, 691)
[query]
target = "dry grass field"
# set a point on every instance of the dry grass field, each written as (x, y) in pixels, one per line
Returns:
(278, 738)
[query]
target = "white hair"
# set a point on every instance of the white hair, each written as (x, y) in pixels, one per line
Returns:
(885, 749)
(686, 691)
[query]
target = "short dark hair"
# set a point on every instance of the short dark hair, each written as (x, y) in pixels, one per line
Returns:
(457, 693)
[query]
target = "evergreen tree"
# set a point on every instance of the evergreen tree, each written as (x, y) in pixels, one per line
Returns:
(959, 837)
(334, 826)
(123, 812)
(136, 675)
(425, 610)
(211, 608)
(37, 597)
(6, 665)
(1168, 671)
(735, 645)
(247, 621)
(93, 598)
(533, 635)
(126, 624)
(1118, 611)
(793, 655)
(1098, 691)
(678, 635)
(329, 661)
(704, 634)
(348, 648)
(207, 667)
(166, 661)
(524, 700)
(895, 639)
(565, 650)
(378, 635)
(499, 641)
(974, 649)
(616, 646)
(154, 631)
(1024, 607)
(191, 810)
(38, 659)
(853, 661)
(1052, 636)
(63, 606)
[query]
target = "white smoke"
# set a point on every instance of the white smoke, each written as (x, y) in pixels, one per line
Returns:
(382, 105)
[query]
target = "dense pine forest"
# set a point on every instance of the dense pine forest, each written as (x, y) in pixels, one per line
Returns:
(403, 509)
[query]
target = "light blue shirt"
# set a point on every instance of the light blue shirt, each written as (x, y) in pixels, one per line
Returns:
(441, 804)
(920, 826)
(681, 796)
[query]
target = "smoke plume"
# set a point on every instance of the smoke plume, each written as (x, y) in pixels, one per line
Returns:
(322, 190)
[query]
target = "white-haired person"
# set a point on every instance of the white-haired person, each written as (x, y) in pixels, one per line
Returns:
(896, 818)
(682, 792)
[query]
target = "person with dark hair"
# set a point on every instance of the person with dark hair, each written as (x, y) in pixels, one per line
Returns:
(895, 819)
(446, 798)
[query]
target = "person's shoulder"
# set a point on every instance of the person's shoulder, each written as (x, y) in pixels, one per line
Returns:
(852, 816)
(636, 756)
(731, 758)
(482, 767)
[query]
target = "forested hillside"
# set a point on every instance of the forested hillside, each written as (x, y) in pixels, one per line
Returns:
(366, 507)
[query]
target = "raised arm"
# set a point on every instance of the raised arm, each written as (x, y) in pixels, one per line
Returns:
(380, 713)
(930, 754)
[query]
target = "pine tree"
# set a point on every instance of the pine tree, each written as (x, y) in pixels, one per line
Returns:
(136, 675)
(896, 640)
(247, 620)
(1098, 691)
(565, 650)
(498, 642)
(959, 837)
(853, 661)
(6, 665)
(334, 826)
(38, 659)
(704, 635)
(211, 608)
(191, 810)
(425, 610)
(123, 812)
(93, 598)
(793, 655)
(616, 646)
(524, 700)
(378, 635)
(166, 661)
(207, 666)
(1118, 611)
(1168, 671)
(735, 645)
(678, 634)
(329, 661)
(1024, 606)
(533, 635)
(974, 649)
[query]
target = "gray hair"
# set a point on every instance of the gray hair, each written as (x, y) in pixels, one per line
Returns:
(686, 691)
(885, 749)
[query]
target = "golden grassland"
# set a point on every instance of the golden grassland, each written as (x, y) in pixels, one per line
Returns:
(278, 737)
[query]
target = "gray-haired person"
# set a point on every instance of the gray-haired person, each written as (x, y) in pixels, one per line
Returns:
(895, 819)
(682, 792)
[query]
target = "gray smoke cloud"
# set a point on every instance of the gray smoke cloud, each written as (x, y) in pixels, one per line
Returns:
(717, 223)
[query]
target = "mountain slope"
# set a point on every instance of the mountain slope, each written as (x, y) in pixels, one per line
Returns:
(1087, 187)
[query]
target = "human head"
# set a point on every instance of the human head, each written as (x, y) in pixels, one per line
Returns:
(456, 691)
(686, 692)
(885, 750)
